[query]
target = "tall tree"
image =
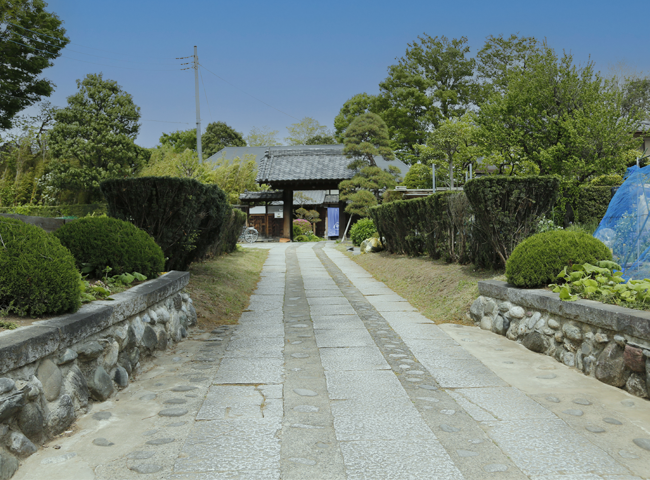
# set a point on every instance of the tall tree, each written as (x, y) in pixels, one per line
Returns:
(30, 39)
(321, 140)
(432, 82)
(364, 189)
(94, 136)
(262, 137)
(219, 135)
(351, 109)
(561, 118)
(180, 140)
(302, 131)
(365, 138)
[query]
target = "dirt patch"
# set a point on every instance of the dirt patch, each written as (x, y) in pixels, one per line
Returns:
(442, 292)
(221, 287)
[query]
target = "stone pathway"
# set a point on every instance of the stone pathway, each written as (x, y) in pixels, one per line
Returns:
(331, 375)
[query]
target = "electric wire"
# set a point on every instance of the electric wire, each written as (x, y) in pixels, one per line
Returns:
(261, 101)
(71, 43)
(83, 53)
(85, 61)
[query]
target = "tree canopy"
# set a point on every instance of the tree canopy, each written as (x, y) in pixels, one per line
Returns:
(351, 109)
(365, 138)
(180, 140)
(262, 137)
(30, 41)
(321, 140)
(559, 118)
(305, 129)
(364, 189)
(419, 176)
(219, 135)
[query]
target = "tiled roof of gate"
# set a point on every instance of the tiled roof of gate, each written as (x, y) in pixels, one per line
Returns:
(320, 162)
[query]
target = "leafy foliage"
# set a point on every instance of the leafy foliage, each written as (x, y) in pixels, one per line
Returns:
(57, 211)
(303, 226)
(321, 140)
(235, 177)
(227, 242)
(363, 190)
(362, 230)
(180, 140)
(302, 131)
(536, 261)
(507, 210)
(262, 137)
(184, 216)
(37, 273)
(219, 135)
(419, 176)
(351, 109)
(23, 57)
(102, 289)
(438, 225)
(100, 242)
(365, 138)
(602, 282)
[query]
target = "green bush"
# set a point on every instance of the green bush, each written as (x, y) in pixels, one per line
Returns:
(57, 211)
(296, 230)
(100, 242)
(537, 260)
(314, 238)
(37, 273)
(230, 232)
(184, 216)
(507, 209)
(364, 228)
(301, 238)
(303, 226)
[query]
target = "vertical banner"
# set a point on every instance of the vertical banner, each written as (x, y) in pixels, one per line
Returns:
(332, 222)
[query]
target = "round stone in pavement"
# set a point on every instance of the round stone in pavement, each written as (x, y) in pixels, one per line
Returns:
(149, 396)
(140, 455)
(202, 367)
(413, 379)
(448, 428)
(548, 376)
(173, 412)
(175, 401)
(581, 401)
(146, 468)
(574, 412)
(495, 467)
(102, 442)
(198, 379)
(296, 342)
(300, 355)
(428, 387)
(160, 441)
(594, 429)
(466, 453)
(626, 454)
(184, 388)
(643, 443)
(304, 392)
(299, 325)
(553, 399)
(611, 421)
(159, 384)
(447, 412)
(176, 424)
(150, 432)
(103, 415)
(416, 372)
(306, 409)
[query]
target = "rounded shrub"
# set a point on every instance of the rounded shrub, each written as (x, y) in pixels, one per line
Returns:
(537, 260)
(37, 273)
(100, 242)
(362, 230)
(301, 238)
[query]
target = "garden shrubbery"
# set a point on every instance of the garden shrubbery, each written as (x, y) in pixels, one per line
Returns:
(538, 259)
(184, 216)
(362, 230)
(100, 242)
(37, 274)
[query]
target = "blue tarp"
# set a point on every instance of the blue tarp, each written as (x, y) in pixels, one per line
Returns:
(332, 222)
(625, 228)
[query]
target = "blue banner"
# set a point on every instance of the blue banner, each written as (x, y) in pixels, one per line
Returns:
(332, 222)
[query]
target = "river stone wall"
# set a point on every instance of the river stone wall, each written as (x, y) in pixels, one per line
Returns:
(51, 370)
(608, 342)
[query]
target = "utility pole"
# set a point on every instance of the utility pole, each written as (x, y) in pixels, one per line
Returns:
(198, 107)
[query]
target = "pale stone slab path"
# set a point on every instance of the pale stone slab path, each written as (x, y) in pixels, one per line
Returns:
(331, 375)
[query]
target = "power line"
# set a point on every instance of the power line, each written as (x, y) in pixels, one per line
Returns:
(83, 53)
(261, 101)
(205, 92)
(85, 61)
(72, 43)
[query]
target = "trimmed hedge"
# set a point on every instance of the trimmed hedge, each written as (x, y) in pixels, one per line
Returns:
(537, 260)
(37, 273)
(581, 203)
(507, 210)
(57, 211)
(230, 232)
(362, 230)
(184, 216)
(100, 242)
(438, 225)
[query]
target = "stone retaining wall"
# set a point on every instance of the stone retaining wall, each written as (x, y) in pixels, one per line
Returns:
(607, 342)
(52, 369)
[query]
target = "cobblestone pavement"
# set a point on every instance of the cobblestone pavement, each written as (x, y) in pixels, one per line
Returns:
(331, 375)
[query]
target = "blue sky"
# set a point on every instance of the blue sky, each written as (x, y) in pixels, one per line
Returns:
(304, 58)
